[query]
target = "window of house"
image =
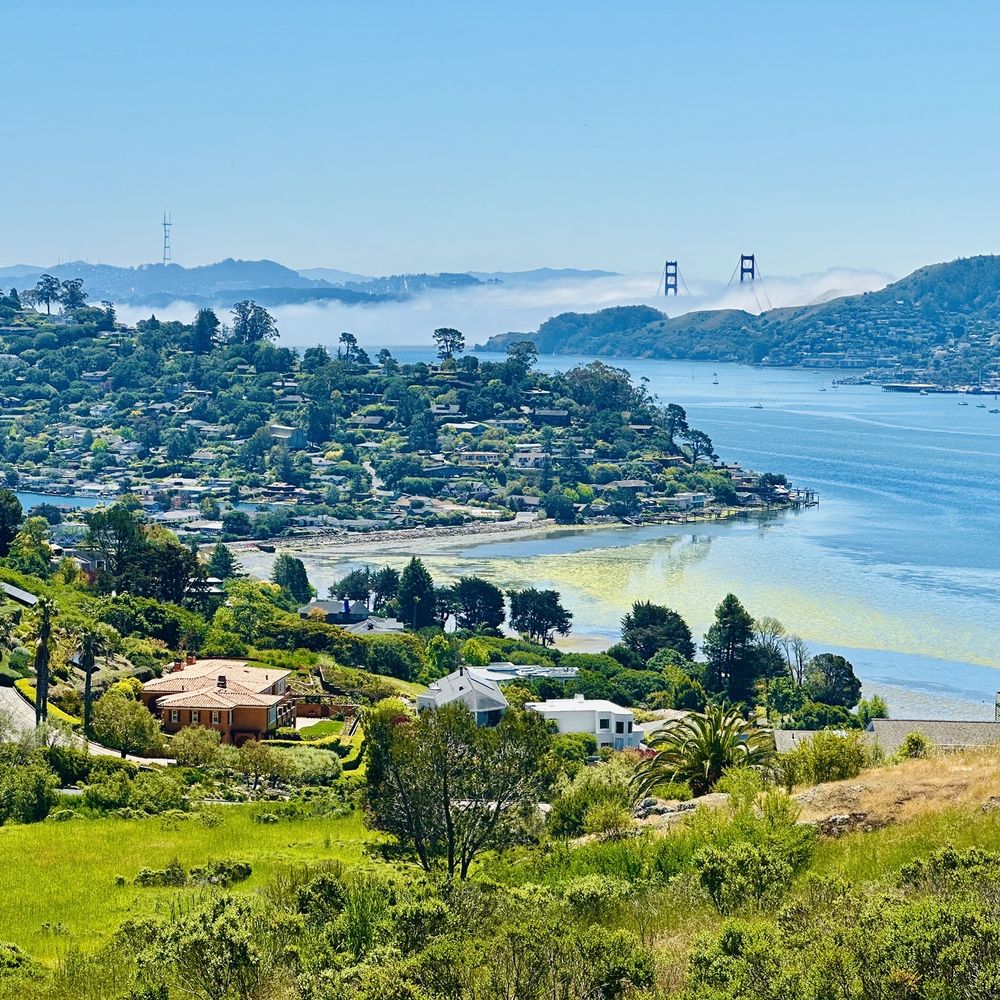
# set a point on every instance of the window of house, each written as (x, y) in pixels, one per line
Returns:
(195, 717)
(605, 724)
(174, 715)
(630, 727)
(215, 718)
(619, 727)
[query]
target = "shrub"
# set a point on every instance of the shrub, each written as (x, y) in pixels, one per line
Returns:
(607, 784)
(311, 766)
(12, 959)
(223, 873)
(196, 746)
(915, 746)
(173, 875)
(609, 820)
(824, 756)
(27, 792)
(745, 876)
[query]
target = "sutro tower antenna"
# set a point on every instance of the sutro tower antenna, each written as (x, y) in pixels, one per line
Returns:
(166, 237)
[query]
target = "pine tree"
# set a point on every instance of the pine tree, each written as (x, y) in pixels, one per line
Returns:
(415, 596)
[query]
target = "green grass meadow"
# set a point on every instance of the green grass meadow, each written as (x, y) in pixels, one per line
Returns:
(58, 879)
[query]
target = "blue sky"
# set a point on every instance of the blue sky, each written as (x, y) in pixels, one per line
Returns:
(383, 137)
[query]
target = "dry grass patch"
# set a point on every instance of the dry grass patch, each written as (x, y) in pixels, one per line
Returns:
(911, 789)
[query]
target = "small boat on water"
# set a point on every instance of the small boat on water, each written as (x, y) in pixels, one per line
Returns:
(923, 392)
(715, 378)
(962, 402)
(980, 406)
(995, 409)
(757, 406)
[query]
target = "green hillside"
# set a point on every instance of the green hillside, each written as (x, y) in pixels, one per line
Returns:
(943, 319)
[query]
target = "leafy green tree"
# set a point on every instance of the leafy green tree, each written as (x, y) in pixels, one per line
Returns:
(350, 346)
(874, 707)
(423, 432)
(222, 564)
(449, 342)
(126, 725)
(699, 445)
(116, 534)
(559, 507)
(237, 522)
(448, 789)
(289, 573)
(415, 596)
(204, 331)
(48, 290)
(700, 748)
(730, 650)
(196, 746)
(356, 586)
(72, 295)
(480, 604)
(831, 679)
(524, 353)
(11, 516)
(649, 627)
(385, 584)
(252, 324)
(538, 614)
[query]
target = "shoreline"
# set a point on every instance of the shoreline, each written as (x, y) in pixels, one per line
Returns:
(499, 529)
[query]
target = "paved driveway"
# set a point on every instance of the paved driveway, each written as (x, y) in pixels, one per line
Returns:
(23, 716)
(21, 713)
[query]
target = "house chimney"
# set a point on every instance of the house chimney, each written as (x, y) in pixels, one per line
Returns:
(222, 680)
(176, 665)
(191, 659)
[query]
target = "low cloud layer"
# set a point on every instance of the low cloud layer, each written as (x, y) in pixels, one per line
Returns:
(482, 311)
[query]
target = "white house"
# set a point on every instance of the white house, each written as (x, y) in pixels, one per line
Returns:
(479, 694)
(610, 724)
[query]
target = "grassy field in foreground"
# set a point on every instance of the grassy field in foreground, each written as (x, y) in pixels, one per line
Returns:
(869, 857)
(58, 879)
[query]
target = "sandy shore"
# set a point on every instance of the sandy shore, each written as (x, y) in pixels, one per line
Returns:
(513, 530)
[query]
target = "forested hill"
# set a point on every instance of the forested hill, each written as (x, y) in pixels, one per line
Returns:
(943, 317)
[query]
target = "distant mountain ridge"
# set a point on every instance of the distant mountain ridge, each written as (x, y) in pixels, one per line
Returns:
(939, 310)
(266, 281)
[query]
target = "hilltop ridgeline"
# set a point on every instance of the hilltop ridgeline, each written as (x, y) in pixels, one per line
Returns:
(943, 319)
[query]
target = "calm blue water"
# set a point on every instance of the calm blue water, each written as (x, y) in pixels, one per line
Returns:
(29, 500)
(898, 567)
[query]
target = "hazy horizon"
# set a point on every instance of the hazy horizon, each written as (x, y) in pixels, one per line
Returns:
(393, 138)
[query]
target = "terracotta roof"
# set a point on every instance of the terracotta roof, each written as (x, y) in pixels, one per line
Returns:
(206, 673)
(218, 698)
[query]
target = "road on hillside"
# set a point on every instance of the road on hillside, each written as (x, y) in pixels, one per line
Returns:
(21, 713)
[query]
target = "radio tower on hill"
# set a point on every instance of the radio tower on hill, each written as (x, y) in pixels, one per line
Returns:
(166, 238)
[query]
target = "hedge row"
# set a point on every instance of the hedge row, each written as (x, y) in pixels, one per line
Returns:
(56, 714)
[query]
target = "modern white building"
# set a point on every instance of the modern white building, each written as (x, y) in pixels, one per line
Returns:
(610, 724)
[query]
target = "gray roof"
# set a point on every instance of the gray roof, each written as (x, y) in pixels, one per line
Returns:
(19, 595)
(789, 739)
(890, 733)
(478, 693)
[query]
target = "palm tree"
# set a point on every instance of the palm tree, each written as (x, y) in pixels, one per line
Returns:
(92, 642)
(701, 747)
(46, 611)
